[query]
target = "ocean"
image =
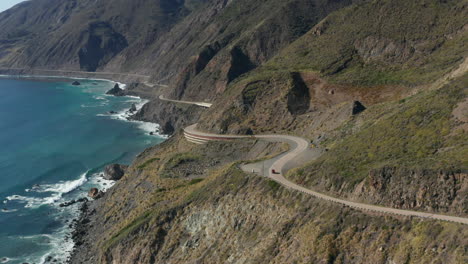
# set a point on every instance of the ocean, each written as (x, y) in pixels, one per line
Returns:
(55, 139)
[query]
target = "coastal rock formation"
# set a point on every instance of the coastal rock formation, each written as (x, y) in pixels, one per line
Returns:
(116, 91)
(299, 67)
(95, 193)
(72, 202)
(230, 211)
(76, 83)
(133, 108)
(114, 172)
(171, 117)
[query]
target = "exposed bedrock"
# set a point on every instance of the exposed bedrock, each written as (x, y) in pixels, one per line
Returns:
(102, 43)
(115, 171)
(170, 116)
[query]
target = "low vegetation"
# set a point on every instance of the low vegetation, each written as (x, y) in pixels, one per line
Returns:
(419, 132)
(179, 159)
(147, 163)
(408, 42)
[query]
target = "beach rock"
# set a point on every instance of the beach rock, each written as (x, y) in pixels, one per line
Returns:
(133, 108)
(114, 171)
(95, 193)
(116, 91)
(66, 204)
(112, 112)
(76, 83)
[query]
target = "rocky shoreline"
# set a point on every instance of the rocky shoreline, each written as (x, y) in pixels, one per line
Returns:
(171, 117)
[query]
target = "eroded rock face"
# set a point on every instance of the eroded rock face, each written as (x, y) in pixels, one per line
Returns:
(102, 44)
(95, 193)
(133, 108)
(117, 91)
(114, 172)
(170, 116)
(298, 96)
(430, 190)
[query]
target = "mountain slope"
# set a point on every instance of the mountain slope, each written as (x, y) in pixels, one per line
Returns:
(379, 86)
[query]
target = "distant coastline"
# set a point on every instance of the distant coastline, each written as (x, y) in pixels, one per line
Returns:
(108, 76)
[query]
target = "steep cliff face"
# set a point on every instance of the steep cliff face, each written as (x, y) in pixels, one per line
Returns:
(84, 35)
(428, 190)
(228, 216)
(246, 34)
(379, 86)
(172, 117)
(102, 43)
(409, 153)
(197, 46)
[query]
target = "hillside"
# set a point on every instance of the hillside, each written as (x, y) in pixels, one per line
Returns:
(379, 87)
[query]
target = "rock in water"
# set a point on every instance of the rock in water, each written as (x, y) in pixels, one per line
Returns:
(115, 91)
(358, 108)
(76, 83)
(95, 193)
(114, 171)
(133, 108)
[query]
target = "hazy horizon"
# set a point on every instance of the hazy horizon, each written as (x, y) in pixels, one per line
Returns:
(6, 4)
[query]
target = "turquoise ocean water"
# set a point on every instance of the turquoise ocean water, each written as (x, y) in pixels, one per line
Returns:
(55, 139)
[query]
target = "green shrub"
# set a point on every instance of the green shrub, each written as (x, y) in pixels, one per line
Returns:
(146, 163)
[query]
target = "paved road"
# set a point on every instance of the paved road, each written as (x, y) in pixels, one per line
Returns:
(203, 104)
(300, 152)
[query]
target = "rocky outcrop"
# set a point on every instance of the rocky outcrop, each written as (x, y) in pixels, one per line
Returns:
(116, 91)
(72, 202)
(76, 83)
(133, 108)
(170, 116)
(248, 219)
(357, 108)
(428, 190)
(95, 193)
(101, 45)
(299, 96)
(114, 172)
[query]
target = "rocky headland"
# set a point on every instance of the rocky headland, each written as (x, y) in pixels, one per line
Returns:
(379, 87)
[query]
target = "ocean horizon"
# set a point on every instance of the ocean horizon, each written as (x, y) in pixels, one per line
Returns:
(55, 140)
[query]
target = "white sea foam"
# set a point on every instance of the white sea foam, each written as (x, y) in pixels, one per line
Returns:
(4, 210)
(97, 180)
(5, 259)
(58, 190)
(97, 97)
(121, 85)
(34, 202)
(63, 186)
(125, 115)
(61, 247)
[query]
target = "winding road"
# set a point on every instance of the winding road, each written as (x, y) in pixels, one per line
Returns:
(202, 104)
(299, 154)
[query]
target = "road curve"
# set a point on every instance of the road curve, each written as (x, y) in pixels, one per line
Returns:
(202, 104)
(298, 147)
